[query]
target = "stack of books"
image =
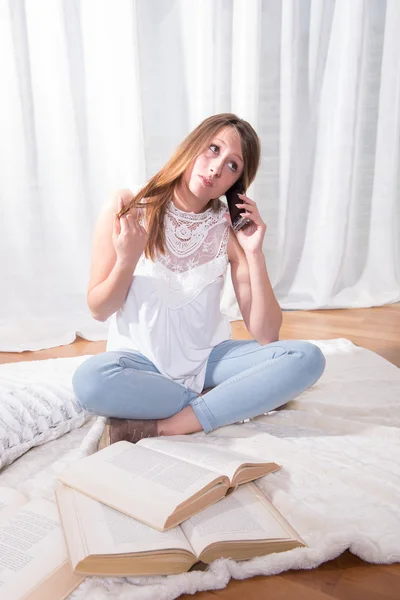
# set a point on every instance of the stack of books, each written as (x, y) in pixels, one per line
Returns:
(158, 507)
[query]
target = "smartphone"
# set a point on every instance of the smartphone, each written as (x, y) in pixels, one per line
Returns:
(232, 198)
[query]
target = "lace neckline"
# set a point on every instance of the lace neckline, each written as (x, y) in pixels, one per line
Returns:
(191, 216)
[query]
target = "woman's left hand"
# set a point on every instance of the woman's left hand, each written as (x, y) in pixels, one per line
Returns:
(251, 236)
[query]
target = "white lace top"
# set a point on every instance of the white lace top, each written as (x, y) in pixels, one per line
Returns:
(172, 311)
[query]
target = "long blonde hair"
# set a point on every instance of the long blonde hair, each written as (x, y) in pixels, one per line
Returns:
(160, 188)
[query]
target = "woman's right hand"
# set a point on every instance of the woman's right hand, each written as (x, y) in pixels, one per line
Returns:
(129, 237)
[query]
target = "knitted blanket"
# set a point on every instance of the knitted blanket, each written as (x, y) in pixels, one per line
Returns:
(37, 405)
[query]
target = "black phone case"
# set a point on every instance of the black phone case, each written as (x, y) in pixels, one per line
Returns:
(232, 198)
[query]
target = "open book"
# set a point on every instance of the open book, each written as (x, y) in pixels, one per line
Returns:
(162, 481)
(34, 563)
(103, 541)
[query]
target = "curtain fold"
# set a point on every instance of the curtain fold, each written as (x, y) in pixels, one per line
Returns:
(97, 94)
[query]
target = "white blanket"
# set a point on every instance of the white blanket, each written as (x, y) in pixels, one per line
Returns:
(339, 445)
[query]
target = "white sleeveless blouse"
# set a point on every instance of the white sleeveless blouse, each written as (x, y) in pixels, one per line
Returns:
(172, 310)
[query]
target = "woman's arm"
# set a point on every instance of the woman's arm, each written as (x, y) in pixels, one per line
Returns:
(117, 246)
(259, 307)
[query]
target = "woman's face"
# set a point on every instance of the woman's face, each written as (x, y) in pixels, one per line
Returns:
(217, 168)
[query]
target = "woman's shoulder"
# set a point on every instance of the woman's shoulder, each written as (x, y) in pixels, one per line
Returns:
(112, 203)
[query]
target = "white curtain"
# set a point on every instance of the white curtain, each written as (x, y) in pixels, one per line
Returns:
(96, 94)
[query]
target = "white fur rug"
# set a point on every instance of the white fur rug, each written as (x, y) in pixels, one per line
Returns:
(339, 444)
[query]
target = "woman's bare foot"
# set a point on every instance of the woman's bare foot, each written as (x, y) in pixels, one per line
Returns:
(183, 422)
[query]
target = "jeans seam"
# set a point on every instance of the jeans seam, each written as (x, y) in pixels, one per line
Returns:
(245, 354)
(138, 363)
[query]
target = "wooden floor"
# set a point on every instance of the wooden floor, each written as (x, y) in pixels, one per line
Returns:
(347, 577)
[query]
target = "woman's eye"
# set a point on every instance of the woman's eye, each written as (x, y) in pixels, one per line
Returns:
(232, 165)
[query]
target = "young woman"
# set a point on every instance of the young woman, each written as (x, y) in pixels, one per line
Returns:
(158, 265)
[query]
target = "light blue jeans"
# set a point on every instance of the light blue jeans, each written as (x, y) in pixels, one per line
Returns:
(246, 380)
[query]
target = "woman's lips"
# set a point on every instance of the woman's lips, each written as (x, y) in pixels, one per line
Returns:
(205, 181)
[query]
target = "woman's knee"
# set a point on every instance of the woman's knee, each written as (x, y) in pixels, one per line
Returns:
(89, 379)
(313, 357)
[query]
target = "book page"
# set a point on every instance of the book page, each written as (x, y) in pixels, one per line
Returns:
(10, 501)
(141, 483)
(240, 516)
(107, 531)
(199, 452)
(32, 547)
